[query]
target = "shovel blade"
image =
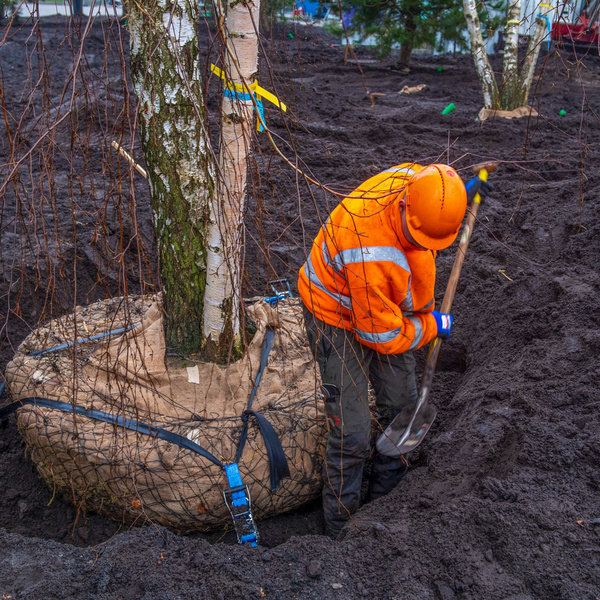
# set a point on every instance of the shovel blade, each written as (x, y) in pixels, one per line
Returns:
(403, 435)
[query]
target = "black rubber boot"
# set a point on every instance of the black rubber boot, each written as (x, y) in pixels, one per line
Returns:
(386, 473)
(342, 478)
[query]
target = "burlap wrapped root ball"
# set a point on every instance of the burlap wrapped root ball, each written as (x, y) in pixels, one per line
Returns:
(134, 477)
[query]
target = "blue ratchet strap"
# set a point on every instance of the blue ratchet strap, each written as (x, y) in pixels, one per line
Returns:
(237, 499)
(273, 300)
(240, 505)
(277, 296)
(235, 481)
(287, 292)
(234, 95)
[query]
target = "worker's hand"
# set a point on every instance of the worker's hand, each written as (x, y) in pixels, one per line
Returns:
(477, 185)
(444, 324)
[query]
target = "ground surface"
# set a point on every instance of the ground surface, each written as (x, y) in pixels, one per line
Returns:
(502, 501)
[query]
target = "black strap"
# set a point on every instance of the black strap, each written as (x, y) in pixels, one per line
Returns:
(266, 349)
(100, 415)
(278, 465)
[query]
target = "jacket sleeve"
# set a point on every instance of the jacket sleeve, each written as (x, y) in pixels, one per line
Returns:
(381, 310)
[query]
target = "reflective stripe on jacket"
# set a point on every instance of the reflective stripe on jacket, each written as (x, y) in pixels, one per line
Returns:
(364, 276)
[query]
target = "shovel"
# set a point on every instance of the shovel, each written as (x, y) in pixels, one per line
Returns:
(408, 429)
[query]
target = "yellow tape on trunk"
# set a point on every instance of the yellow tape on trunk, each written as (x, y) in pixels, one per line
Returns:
(253, 88)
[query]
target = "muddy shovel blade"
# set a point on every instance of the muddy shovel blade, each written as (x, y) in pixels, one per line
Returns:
(408, 428)
(403, 435)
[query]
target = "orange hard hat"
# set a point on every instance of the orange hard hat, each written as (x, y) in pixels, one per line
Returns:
(436, 201)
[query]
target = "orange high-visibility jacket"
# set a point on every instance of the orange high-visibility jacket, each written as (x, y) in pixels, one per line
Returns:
(362, 274)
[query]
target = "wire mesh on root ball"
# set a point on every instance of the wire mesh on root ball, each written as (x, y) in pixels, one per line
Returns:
(118, 430)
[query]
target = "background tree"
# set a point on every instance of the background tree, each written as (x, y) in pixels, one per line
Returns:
(452, 28)
(271, 10)
(517, 74)
(409, 23)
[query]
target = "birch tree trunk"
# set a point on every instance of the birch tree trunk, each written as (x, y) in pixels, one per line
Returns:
(482, 63)
(510, 68)
(222, 298)
(166, 77)
(533, 51)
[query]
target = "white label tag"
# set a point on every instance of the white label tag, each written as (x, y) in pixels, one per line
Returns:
(193, 374)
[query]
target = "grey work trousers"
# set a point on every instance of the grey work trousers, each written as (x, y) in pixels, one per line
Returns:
(349, 366)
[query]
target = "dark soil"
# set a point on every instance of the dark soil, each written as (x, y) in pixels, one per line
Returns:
(503, 498)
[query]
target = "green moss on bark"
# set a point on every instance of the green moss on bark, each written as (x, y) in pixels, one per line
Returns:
(177, 153)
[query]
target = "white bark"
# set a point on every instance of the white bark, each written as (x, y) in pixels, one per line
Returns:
(510, 67)
(480, 58)
(516, 78)
(533, 51)
(222, 297)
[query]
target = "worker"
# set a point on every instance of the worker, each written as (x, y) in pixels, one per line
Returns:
(368, 293)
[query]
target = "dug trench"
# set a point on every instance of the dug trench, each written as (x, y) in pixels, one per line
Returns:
(501, 501)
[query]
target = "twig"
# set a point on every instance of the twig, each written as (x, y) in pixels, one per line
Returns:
(129, 158)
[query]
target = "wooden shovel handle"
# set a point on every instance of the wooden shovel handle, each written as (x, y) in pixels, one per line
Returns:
(490, 167)
(465, 238)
